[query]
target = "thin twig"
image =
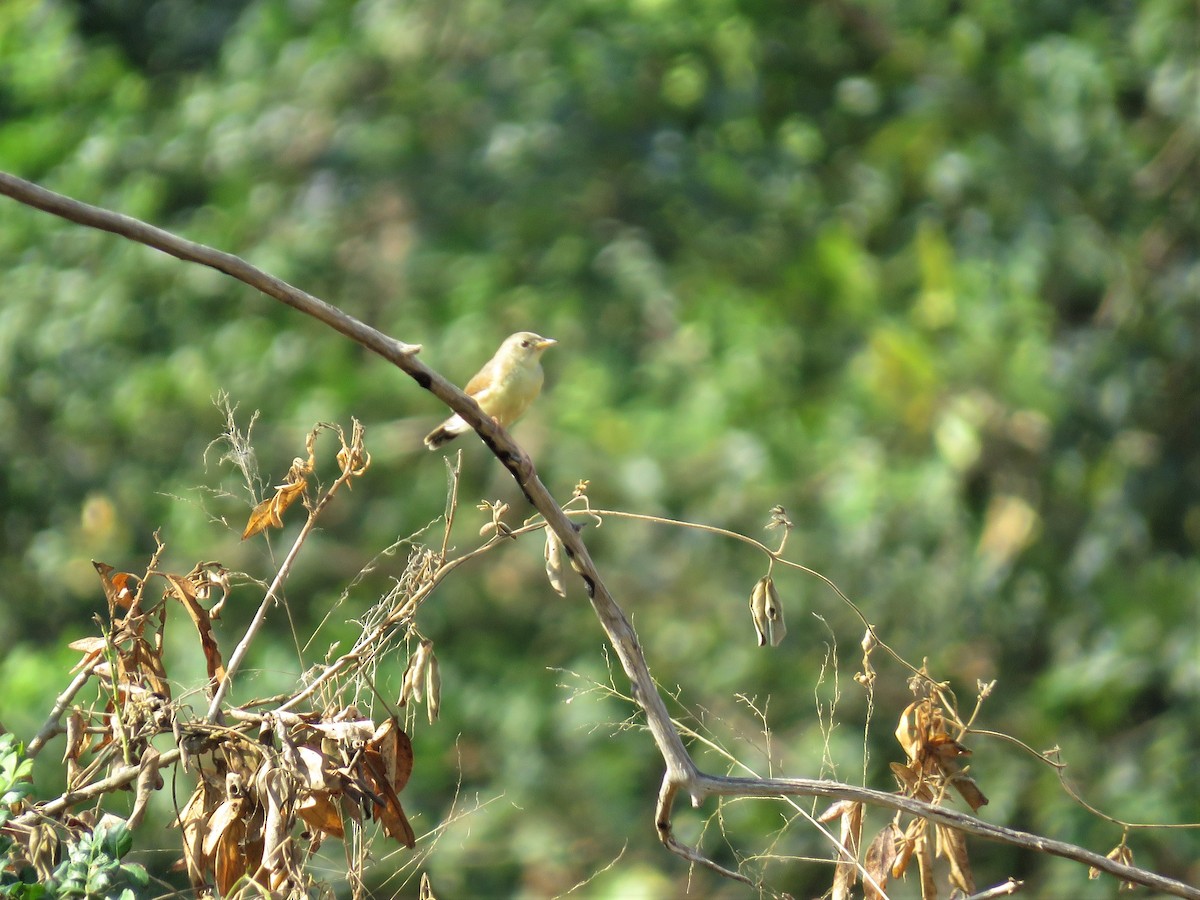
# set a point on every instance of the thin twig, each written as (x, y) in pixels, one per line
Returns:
(1001, 890)
(243, 647)
(712, 785)
(119, 778)
(53, 725)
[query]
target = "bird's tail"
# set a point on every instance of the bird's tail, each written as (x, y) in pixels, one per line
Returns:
(439, 437)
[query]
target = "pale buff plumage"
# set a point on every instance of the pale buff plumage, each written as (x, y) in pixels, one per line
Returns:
(503, 388)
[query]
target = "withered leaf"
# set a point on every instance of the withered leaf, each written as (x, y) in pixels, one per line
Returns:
(183, 589)
(230, 859)
(395, 750)
(846, 870)
(952, 844)
(1123, 854)
(308, 765)
(352, 731)
(881, 855)
(835, 810)
(385, 806)
(77, 737)
(227, 813)
(277, 789)
(924, 852)
(913, 835)
(118, 587)
(269, 513)
(192, 821)
(969, 791)
(320, 813)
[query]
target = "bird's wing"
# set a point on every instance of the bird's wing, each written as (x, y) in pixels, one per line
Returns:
(482, 379)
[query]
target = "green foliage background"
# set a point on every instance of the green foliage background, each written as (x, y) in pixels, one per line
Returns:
(925, 274)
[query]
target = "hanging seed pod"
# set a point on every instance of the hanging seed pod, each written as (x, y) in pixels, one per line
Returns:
(433, 687)
(776, 629)
(767, 612)
(414, 674)
(420, 663)
(406, 685)
(758, 609)
(554, 566)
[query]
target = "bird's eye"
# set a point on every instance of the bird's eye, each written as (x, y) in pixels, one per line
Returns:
(527, 343)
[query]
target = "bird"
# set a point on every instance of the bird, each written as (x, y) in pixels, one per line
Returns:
(503, 388)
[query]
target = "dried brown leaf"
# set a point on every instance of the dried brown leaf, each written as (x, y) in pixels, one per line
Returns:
(1123, 854)
(385, 806)
(881, 855)
(952, 844)
(320, 813)
(309, 767)
(269, 513)
(913, 835)
(183, 589)
(835, 811)
(924, 854)
(230, 857)
(77, 737)
(227, 813)
(846, 871)
(395, 750)
(277, 790)
(351, 731)
(193, 822)
(119, 587)
(969, 791)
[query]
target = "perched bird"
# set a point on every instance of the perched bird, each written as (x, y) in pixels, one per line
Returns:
(503, 388)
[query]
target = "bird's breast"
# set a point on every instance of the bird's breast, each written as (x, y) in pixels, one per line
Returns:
(508, 399)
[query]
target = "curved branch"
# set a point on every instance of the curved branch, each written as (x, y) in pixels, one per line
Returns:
(713, 785)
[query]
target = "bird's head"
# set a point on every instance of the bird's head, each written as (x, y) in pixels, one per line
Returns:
(526, 346)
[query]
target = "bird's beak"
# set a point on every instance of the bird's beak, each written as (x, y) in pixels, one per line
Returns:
(544, 343)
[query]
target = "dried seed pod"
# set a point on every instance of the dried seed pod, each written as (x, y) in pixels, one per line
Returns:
(767, 612)
(758, 609)
(776, 629)
(554, 566)
(414, 673)
(420, 660)
(433, 687)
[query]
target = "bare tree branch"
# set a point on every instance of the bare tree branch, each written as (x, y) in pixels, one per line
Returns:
(681, 772)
